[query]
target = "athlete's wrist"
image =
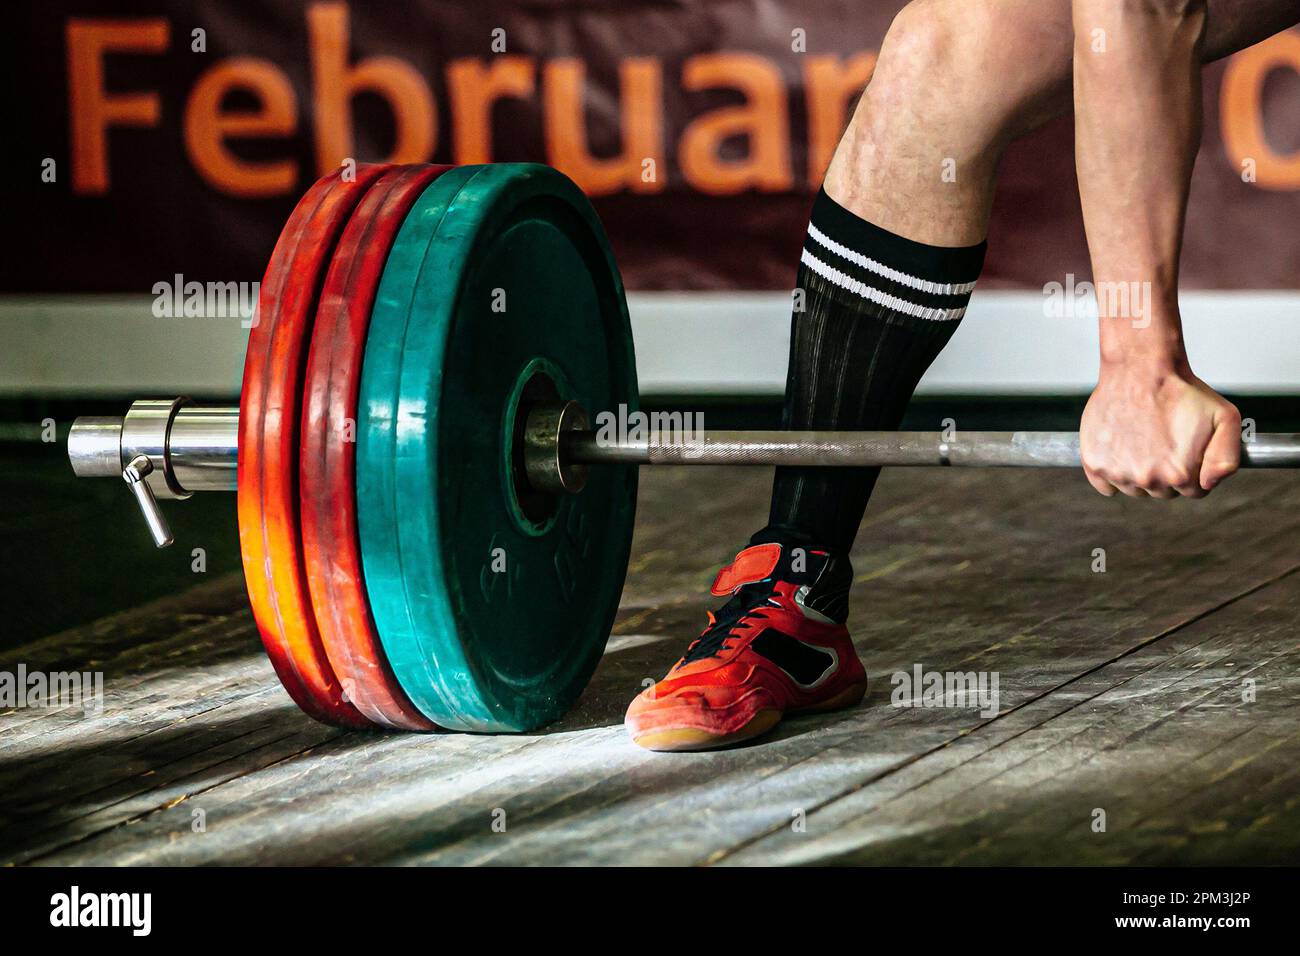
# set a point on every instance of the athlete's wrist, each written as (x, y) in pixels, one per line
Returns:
(1150, 343)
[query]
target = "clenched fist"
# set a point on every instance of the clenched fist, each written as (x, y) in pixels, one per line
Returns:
(1158, 433)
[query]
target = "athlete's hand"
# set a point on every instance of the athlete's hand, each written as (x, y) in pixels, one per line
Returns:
(1158, 433)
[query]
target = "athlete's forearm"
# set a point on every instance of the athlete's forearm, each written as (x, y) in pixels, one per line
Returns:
(1137, 100)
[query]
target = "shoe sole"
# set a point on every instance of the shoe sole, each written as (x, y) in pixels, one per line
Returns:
(678, 739)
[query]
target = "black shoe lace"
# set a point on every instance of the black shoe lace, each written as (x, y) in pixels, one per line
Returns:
(713, 639)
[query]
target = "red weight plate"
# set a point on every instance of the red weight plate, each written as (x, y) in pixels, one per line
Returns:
(331, 546)
(269, 416)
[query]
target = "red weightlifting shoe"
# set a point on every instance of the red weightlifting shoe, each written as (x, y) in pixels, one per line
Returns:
(779, 646)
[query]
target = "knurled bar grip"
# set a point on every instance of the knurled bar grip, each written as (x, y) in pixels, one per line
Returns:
(869, 449)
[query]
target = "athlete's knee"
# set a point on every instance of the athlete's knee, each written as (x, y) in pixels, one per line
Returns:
(978, 70)
(922, 32)
(917, 52)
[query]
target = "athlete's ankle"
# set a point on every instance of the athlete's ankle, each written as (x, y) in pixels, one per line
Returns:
(824, 576)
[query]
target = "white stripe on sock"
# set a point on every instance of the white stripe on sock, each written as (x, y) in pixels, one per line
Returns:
(913, 282)
(834, 275)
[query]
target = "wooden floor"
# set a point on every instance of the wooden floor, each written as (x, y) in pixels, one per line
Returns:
(1164, 693)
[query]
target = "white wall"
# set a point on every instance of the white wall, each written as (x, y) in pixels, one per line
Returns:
(687, 343)
(1238, 341)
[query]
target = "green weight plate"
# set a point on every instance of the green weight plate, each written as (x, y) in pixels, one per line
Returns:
(493, 607)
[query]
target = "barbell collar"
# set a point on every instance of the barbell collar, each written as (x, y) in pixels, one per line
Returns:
(189, 447)
(146, 432)
(161, 449)
(545, 464)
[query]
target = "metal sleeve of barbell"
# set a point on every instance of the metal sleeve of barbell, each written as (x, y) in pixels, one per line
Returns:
(869, 449)
(197, 446)
(202, 447)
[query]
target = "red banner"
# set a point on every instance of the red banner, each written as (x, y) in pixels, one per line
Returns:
(172, 138)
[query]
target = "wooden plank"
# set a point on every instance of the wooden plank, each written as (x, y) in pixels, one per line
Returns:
(1155, 740)
(130, 648)
(976, 570)
(689, 808)
(153, 692)
(180, 788)
(142, 804)
(188, 693)
(321, 805)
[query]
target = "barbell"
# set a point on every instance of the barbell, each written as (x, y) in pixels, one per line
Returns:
(434, 526)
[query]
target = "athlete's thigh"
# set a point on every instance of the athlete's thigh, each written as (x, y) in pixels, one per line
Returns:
(1040, 32)
(1232, 25)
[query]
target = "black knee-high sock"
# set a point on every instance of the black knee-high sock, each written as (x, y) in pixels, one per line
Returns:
(878, 309)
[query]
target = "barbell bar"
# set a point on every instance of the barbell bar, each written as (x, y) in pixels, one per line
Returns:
(195, 448)
(861, 449)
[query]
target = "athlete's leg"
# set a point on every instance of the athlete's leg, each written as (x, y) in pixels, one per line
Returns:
(959, 80)
(955, 82)
(894, 246)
